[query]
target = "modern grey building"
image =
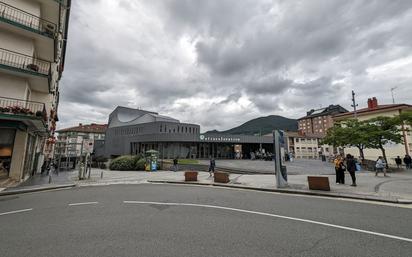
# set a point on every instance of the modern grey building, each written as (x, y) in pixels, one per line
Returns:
(132, 131)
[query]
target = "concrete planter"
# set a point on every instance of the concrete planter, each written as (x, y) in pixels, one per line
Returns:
(221, 177)
(318, 183)
(190, 175)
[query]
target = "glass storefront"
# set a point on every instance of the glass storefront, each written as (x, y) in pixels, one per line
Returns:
(7, 136)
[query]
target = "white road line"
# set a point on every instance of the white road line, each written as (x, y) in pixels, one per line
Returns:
(85, 203)
(11, 212)
(276, 216)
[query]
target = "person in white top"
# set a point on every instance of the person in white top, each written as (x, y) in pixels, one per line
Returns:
(380, 166)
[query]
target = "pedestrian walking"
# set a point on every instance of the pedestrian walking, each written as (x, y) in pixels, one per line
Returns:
(291, 156)
(351, 166)
(340, 170)
(380, 166)
(407, 160)
(175, 164)
(398, 161)
(212, 166)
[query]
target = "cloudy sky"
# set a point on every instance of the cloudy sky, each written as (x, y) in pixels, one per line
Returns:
(220, 63)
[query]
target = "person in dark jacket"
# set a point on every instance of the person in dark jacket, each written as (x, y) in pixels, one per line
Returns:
(398, 161)
(212, 166)
(351, 167)
(175, 164)
(407, 160)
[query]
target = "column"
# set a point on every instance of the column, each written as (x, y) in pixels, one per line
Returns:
(19, 151)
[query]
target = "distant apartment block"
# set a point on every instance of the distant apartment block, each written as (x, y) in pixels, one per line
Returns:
(317, 122)
(33, 37)
(76, 141)
(374, 110)
(306, 146)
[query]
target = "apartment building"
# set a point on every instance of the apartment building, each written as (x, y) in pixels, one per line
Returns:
(306, 146)
(75, 141)
(317, 122)
(33, 42)
(373, 110)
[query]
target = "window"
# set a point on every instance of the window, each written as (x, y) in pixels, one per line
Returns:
(160, 128)
(190, 130)
(174, 130)
(186, 129)
(297, 140)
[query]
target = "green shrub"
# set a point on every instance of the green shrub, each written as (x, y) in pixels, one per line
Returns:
(140, 164)
(128, 162)
(125, 162)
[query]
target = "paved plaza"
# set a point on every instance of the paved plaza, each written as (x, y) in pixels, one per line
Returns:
(398, 186)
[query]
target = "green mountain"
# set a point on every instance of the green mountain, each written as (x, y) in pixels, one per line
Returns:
(262, 125)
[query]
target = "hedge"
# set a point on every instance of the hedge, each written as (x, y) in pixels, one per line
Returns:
(127, 162)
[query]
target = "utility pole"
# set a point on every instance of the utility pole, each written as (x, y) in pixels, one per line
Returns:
(392, 89)
(354, 105)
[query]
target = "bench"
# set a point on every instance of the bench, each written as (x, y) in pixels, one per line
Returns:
(318, 183)
(190, 175)
(221, 177)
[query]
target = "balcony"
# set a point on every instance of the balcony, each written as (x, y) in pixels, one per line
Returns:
(28, 21)
(36, 70)
(33, 114)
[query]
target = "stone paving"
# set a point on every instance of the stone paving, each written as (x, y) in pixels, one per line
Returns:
(397, 186)
(297, 167)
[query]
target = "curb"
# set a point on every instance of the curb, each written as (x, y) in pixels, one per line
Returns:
(36, 189)
(291, 191)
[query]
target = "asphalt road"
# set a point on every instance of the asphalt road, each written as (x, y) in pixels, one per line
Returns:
(176, 220)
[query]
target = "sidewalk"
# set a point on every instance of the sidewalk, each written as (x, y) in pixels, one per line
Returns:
(396, 188)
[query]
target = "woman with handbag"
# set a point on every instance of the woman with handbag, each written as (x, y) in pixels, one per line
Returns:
(340, 170)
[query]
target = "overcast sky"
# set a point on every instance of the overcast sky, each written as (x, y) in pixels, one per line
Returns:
(220, 63)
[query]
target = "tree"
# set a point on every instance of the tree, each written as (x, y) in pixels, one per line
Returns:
(381, 131)
(335, 136)
(357, 135)
(348, 133)
(405, 118)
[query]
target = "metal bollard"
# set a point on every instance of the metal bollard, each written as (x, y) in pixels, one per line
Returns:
(101, 175)
(50, 178)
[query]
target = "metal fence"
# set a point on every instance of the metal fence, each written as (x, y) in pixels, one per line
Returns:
(25, 62)
(18, 106)
(26, 19)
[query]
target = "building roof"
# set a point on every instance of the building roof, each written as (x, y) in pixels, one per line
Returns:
(376, 109)
(330, 110)
(124, 116)
(86, 128)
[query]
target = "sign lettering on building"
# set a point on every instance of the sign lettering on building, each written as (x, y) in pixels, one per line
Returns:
(219, 138)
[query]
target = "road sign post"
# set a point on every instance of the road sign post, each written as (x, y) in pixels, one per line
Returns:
(280, 177)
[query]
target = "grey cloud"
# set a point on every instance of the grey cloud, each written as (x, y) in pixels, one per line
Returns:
(283, 56)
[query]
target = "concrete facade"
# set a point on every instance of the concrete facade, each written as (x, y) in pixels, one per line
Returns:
(32, 52)
(133, 131)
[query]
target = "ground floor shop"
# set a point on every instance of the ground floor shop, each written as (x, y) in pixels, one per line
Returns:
(21, 151)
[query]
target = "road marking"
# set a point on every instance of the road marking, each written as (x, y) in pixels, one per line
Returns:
(407, 206)
(85, 203)
(276, 216)
(11, 212)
